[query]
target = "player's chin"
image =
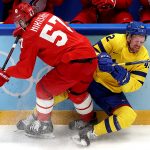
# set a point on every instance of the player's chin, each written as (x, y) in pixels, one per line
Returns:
(135, 50)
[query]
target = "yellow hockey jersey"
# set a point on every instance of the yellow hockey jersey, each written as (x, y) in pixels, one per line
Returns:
(116, 46)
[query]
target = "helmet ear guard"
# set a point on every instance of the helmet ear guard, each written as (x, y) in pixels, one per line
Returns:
(136, 28)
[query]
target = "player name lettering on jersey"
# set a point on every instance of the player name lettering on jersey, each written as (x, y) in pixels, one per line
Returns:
(37, 23)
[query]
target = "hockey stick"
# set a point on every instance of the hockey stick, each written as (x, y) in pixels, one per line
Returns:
(10, 53)
(146, 62)
(15, 43)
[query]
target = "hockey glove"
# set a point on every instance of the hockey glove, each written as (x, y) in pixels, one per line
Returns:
(103, 5)
(18, 32)
(3, 77)
(105, 62)
(121, 75)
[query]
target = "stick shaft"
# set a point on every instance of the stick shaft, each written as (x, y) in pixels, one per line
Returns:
(14, 45)
(10, 53)
(133, 63)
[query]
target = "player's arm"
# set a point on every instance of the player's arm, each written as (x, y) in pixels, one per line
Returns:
(133, 79)
(103, 48)
(105, 44)
(137, 78)
(24, 67)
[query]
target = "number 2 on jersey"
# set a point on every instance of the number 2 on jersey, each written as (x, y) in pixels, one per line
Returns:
(52, 38)
(109, 37)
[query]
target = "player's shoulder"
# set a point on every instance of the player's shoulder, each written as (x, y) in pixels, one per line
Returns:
(119, 36)
(40, 18)
(37, 23)
(144, 52)
(115, 37)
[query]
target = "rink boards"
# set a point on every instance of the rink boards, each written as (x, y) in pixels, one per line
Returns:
(63, 117)
(17, 97)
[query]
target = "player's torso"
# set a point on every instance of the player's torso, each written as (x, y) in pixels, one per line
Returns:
(54, 38)
(120, 54)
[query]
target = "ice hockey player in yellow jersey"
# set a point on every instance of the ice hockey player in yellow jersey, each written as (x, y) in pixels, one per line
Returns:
(111, 82)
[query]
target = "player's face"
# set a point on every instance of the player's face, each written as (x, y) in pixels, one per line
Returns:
(135, 43)
(21, 23)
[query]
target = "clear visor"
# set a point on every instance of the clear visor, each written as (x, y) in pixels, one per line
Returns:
(21, 24)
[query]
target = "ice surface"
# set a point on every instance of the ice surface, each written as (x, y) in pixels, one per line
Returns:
(136, 137)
